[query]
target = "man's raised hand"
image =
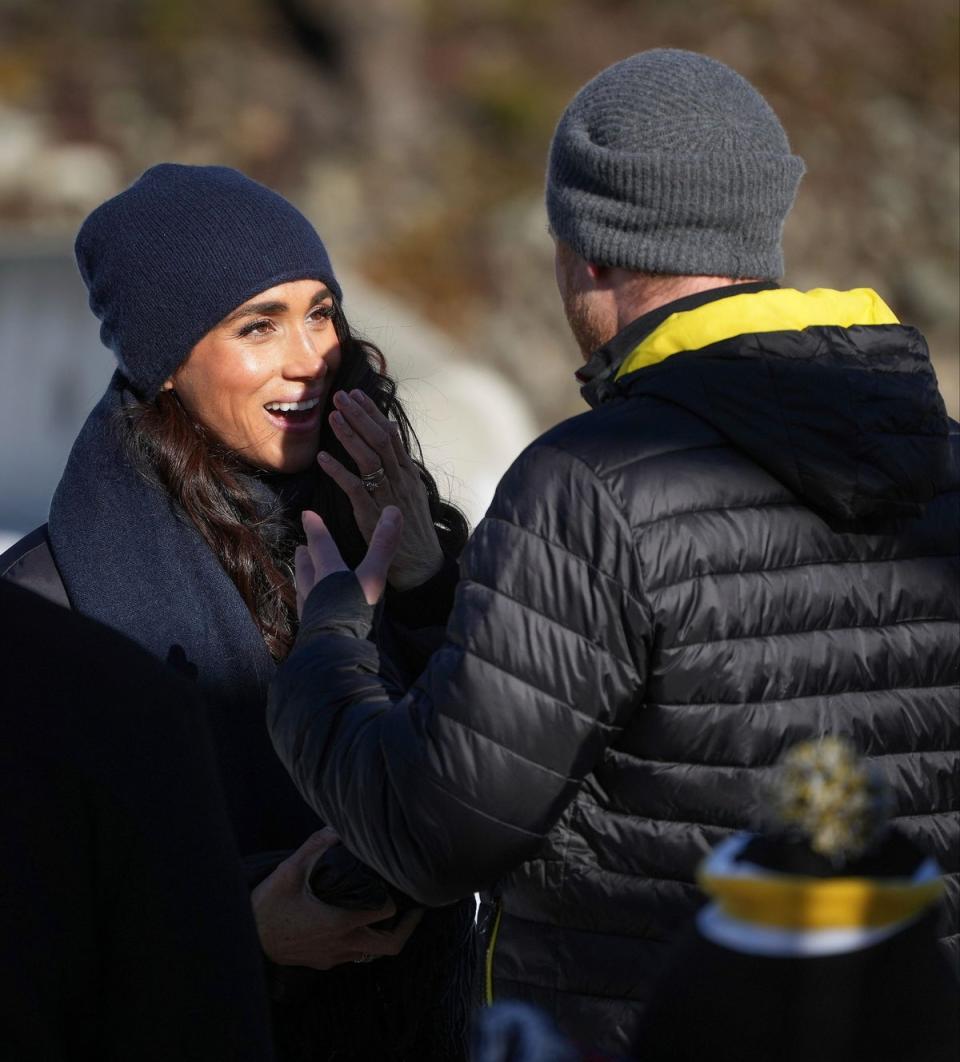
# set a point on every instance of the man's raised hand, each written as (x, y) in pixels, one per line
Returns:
(320, 556)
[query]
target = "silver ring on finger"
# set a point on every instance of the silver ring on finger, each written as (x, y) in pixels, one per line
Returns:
(372, 480)
(365, 957)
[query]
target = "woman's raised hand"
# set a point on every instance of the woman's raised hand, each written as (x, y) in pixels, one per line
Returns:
(388, 476)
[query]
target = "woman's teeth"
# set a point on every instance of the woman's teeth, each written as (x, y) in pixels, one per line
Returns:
(292, 407)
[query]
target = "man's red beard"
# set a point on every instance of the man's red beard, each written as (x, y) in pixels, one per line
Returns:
(589, 328)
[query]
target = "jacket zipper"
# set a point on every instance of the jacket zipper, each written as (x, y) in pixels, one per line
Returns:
(488, 965)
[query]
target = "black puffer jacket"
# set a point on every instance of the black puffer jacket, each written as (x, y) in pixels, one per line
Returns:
(752, 540)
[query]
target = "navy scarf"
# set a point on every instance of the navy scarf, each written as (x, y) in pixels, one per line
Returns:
(130, 559)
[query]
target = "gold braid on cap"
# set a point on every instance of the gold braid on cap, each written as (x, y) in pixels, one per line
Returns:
(825, 792)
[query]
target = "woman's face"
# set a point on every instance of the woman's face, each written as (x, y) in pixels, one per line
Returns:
(278, 349)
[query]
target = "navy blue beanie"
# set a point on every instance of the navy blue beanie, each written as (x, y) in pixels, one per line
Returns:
(167, 259)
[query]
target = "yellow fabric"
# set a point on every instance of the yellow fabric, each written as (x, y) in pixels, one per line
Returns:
(778, 310)
(796, 903)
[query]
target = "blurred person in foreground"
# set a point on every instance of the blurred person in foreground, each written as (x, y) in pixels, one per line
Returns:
(751, 539)
(819, 941)
(125, 926)
(176, 521)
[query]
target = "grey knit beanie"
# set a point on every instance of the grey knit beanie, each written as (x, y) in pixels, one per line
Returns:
(170, 257)
(670, 162)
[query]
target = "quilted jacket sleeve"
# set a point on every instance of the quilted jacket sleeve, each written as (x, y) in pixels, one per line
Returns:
(445, 789)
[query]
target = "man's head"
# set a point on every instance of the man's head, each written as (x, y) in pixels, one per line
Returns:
(667, 163)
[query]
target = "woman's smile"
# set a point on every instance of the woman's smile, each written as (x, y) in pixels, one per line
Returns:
(261, 379)
(294, 415)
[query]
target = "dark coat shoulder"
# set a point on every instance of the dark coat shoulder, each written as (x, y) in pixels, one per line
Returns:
(29, 563)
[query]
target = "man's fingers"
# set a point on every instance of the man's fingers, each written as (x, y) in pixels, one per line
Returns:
(372, 572)
(293, 869)
(403, 930)
(389, 941)
(365, 918)
(316, 844)
(304, 575)
(387, 534)
(384, 542)
(356, 921)
(324, 555)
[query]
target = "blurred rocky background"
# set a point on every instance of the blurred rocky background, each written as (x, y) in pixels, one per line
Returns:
(414, 134)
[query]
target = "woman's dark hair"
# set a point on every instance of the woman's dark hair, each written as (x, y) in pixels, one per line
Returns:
(212, 486)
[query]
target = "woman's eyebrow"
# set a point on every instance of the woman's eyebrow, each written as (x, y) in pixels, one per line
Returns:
(266, 309)
(256, 309)
(322, 293)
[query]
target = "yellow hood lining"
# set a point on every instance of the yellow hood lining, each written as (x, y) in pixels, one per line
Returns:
(778, 310)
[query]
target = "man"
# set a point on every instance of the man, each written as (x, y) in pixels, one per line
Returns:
(751, 539)
(125, 927)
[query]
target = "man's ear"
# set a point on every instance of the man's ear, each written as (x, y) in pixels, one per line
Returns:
(167, 384)
(597, 273)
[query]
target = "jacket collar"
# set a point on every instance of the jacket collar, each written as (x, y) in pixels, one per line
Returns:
(755, 315)
(598, 374)
(823, 389)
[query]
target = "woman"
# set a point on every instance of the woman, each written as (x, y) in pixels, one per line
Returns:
(176, 522)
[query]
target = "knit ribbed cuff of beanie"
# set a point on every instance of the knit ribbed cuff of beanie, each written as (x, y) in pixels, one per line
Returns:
(688, 216)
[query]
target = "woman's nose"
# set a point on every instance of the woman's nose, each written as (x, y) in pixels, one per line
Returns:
(306, 354)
